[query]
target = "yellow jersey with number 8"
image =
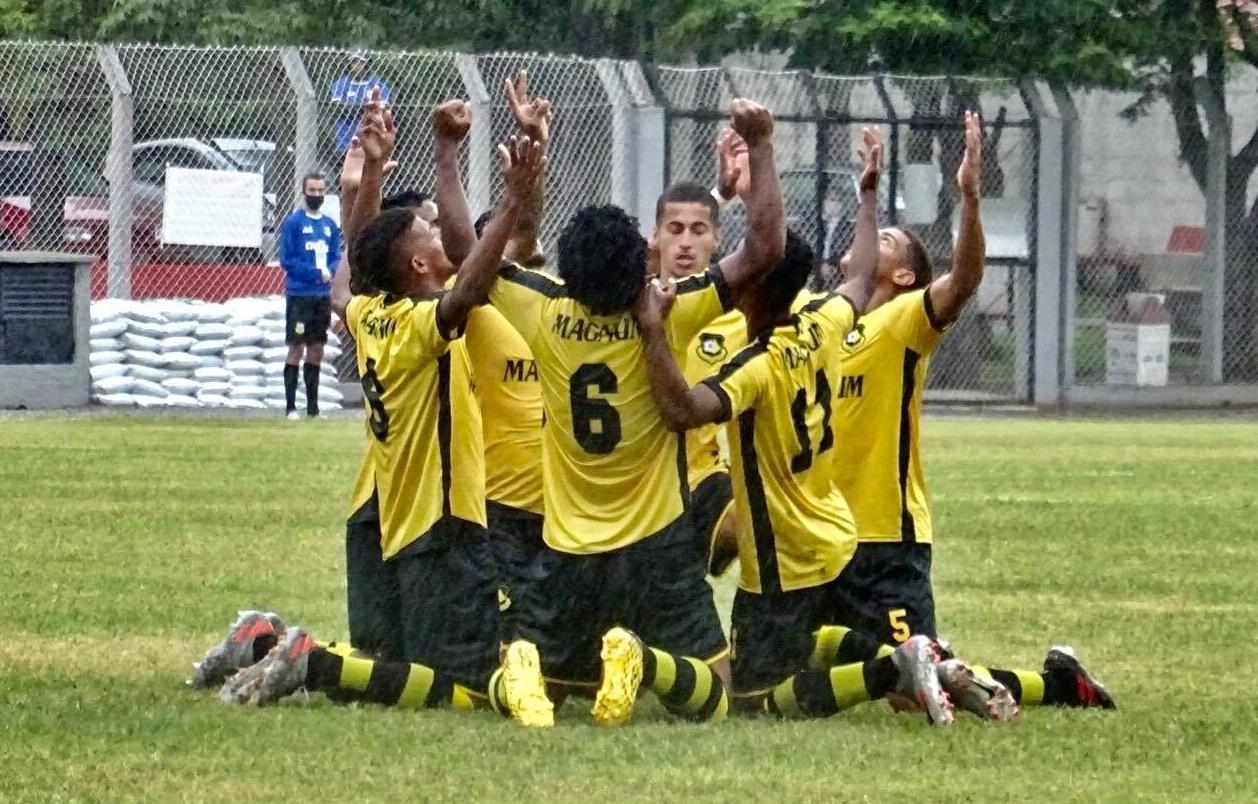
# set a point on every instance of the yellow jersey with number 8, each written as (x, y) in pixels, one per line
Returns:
(424, 450)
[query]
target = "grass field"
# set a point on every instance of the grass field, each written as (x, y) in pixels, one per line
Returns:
(130, 542)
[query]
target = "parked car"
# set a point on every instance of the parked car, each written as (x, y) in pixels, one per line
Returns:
(86, 217)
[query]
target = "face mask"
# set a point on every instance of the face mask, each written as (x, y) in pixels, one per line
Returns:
(313, 202)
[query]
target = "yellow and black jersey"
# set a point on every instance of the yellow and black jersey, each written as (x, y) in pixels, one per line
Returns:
(613, 474)
(509, 394)
(424, 449)
(877, 415)
(712, 347)
(796, 530)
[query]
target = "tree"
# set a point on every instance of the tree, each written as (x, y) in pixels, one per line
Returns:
(1155, 46)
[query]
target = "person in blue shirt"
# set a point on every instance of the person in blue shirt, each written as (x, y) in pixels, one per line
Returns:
(349, 93)
(310, 250)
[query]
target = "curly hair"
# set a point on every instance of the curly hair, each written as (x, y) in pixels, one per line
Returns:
(602, 259)
(375, 249)
(784, 282)
(406, 198)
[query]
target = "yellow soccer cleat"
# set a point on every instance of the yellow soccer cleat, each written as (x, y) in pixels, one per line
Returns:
(622, 675)
(523, 686)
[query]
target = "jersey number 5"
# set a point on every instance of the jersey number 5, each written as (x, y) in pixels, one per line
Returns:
(799, 415)
(373, 392)
(595, 423)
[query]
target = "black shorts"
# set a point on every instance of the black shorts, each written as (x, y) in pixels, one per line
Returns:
(307, 319)
(771, 635)
(435, 603)
(888, 592)
(515, 538)
(710, 501)
(656, 588)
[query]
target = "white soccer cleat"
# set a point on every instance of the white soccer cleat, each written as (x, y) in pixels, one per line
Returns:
(985, 697)
(237, 649)
(916, 660)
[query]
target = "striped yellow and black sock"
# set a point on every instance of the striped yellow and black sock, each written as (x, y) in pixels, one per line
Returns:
(821, 693)
(349, 675)
(1028, 687)
(835, 645)
(687, 687)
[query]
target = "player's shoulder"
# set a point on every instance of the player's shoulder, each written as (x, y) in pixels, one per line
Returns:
(912, 302)
(532, 278)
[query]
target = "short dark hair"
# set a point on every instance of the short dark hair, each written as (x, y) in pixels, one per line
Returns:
(406, 198)
(312, 175)
(688, 192)
(602, 259)
(919, 260)
(482, 222)
(786, 279)
(375, 251)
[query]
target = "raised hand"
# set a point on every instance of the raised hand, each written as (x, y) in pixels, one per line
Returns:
(352, 166)
(377, 132)
(452, 120)
(733, 171)
(532, 115)
(870, 153)
(751, 121)
(970, 174)
(522, 162)
(655, 301)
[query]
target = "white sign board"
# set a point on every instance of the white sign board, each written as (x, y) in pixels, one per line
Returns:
(212, 208)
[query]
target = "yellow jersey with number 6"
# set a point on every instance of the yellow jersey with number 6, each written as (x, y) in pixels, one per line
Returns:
(613, 473)
(424, 451)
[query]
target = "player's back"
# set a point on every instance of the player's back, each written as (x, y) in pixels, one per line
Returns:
(424, 457)
(613, 472)
(877, 412)
(779, 392)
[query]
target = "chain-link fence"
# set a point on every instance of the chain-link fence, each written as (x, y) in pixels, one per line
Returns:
(1107, 268)
(816, 135)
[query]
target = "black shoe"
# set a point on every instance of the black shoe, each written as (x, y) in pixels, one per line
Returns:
(1062, 663)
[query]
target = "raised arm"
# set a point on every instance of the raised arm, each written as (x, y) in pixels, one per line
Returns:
(858, 284)
(682, 407)
(376, 136)
(522, 161)
(765, 242)
(950, 292)
(451, 122)
(533, 116)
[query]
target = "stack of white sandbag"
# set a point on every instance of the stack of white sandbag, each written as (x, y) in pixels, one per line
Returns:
(167, 352)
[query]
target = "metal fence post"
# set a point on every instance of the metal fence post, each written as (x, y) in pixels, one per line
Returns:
(1219, 149)
(480, 153)
(652, 152)
(1049, 219)
(623, 156)
(306, 146)
(893, 147)
(118, 172)
(1072, 177)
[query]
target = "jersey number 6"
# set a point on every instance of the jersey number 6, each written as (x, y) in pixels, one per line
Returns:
(373, 392)
(595, 423)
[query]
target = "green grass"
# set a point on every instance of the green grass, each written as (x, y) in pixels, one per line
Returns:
(129, 543)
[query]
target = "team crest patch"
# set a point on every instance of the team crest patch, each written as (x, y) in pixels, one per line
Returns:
(299, 328)
(854, 338)
(712, 348)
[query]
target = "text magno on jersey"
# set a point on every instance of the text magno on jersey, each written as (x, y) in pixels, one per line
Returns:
(795, 528)
(613, 474)
(424, 450)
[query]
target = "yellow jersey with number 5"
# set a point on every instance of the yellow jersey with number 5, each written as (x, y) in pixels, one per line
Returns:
(613, 473)
(877, 416)
(424, 455)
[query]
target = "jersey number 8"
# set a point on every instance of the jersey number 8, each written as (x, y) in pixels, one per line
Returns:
(373, 392)
(595, 423)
